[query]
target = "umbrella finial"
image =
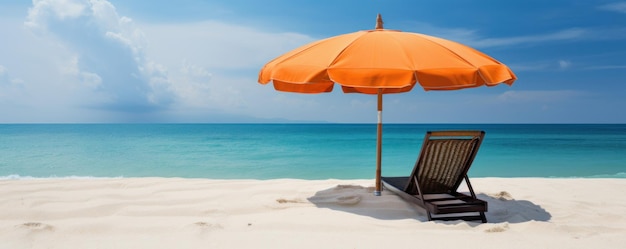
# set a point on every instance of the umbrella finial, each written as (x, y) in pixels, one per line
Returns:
(379, 22)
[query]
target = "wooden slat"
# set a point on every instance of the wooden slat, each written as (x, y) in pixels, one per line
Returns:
(456, 133)
(465, 218)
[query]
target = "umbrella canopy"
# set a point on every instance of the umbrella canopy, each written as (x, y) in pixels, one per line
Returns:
(383, 61)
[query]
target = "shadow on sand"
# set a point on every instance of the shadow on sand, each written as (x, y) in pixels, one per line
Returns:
(360, 200)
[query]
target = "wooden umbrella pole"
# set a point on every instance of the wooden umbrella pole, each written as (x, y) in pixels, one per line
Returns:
(379, 128)
(379, 141)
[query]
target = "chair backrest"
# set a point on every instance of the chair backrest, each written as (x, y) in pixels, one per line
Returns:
(444, 160)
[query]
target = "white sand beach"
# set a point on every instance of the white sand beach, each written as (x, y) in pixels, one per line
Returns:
(285, 213)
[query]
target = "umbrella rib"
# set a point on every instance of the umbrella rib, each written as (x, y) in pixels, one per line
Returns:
(297, 53)
(341, 53)
(310, 46)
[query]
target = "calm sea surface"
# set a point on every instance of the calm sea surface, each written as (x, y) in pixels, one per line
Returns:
(304, 151)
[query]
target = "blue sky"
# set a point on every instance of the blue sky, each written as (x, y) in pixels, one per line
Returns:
(75, 61)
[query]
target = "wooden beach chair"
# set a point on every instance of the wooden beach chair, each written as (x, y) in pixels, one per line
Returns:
(441, 167)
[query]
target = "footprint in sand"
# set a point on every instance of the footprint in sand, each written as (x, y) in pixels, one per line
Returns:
(284, 201)
(349, 200)
(344, 200)
(36, 226)
(497, 229)
(205, 225)
(503, 196)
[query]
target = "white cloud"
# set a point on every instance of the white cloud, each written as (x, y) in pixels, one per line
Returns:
(107, 63)
(3, 73)
(214, 65)
(616, 7)
(61, 9)
(109, 53)
(11, 89)
(6, 80)
(563, 64)
(218, 45)
(82, 78)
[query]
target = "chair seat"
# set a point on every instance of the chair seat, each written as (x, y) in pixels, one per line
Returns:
(461, 206)
(454, 204)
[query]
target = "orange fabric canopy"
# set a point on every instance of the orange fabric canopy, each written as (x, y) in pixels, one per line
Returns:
(395, 61)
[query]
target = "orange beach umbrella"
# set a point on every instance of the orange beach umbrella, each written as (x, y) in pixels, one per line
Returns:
(383, 61)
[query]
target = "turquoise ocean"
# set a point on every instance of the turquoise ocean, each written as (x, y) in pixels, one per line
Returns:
(301, 151)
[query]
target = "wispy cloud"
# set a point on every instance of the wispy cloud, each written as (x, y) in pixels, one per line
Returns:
(564, 64)
(538, 96)
(531, 66)
(542, 65)
(616, 7)
(606, 67)
(474, 38)
(562, 35)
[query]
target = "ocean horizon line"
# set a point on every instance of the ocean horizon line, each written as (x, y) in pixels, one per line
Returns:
(291, 123)
(621, 175)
